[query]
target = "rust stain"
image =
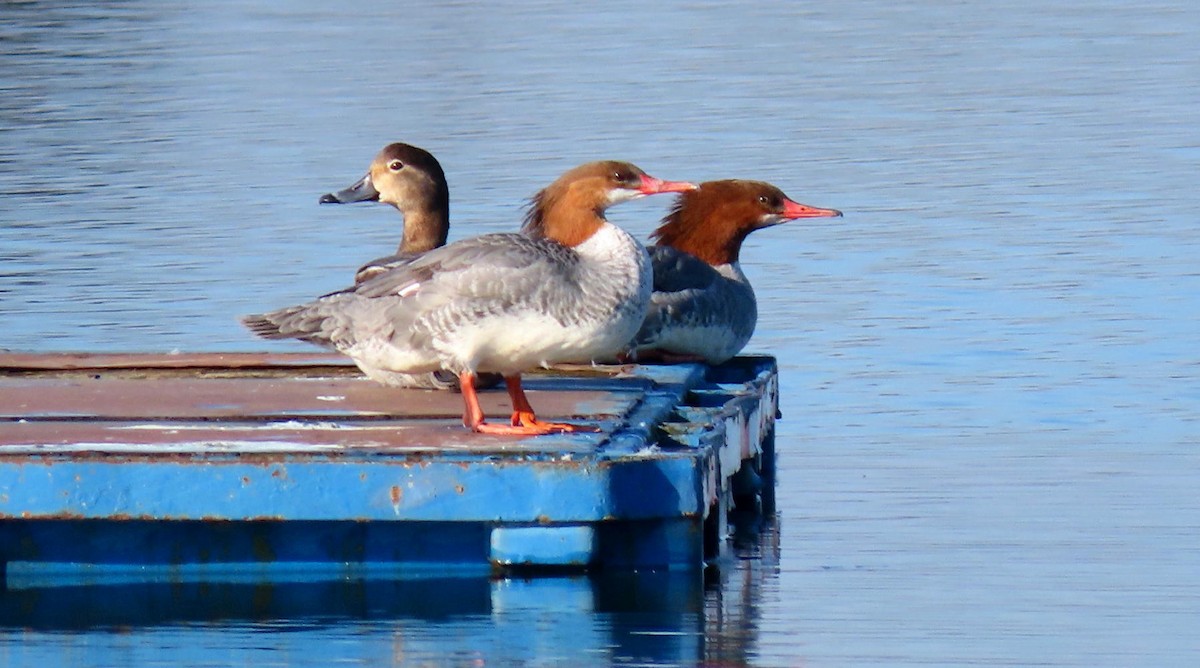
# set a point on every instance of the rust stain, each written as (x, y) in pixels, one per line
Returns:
(460, 489)
(396, 494)
(245, 481)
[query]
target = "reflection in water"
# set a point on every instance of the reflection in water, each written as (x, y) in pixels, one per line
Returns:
(733, 598)
(628, 618)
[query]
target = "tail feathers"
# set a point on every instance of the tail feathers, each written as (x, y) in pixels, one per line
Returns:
(294, 322)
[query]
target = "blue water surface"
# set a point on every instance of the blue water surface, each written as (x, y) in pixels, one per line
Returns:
(990, 368)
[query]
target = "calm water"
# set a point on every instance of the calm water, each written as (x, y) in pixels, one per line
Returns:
(990, 366)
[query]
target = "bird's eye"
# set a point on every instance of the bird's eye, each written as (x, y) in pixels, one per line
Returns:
(395, 165)
(626, 177)
(763, 199)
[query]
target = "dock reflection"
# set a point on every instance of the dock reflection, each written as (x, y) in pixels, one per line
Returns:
(662, 618)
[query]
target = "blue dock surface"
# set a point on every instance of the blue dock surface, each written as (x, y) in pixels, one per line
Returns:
(240, 467)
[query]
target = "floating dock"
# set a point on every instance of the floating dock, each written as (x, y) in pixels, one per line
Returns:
(248, 466)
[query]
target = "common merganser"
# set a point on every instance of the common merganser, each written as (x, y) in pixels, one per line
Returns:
(410, 179)
(570, 286)
(703, 307)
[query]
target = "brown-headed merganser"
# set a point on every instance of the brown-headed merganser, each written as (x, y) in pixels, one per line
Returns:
(702, 307)
(569, 286)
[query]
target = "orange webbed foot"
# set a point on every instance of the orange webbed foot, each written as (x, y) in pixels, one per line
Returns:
(535, 428)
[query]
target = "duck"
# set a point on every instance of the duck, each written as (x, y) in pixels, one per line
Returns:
(410, 179)
(703, 308)
(570, 285)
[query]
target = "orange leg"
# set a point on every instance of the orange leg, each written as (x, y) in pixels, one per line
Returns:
(523, 416)
(472, 413)
(523, 423)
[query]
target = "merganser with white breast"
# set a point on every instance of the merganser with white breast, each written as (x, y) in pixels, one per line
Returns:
(703, 307)
(571, 286)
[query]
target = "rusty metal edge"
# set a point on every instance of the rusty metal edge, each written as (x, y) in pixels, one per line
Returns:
(68, 361)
